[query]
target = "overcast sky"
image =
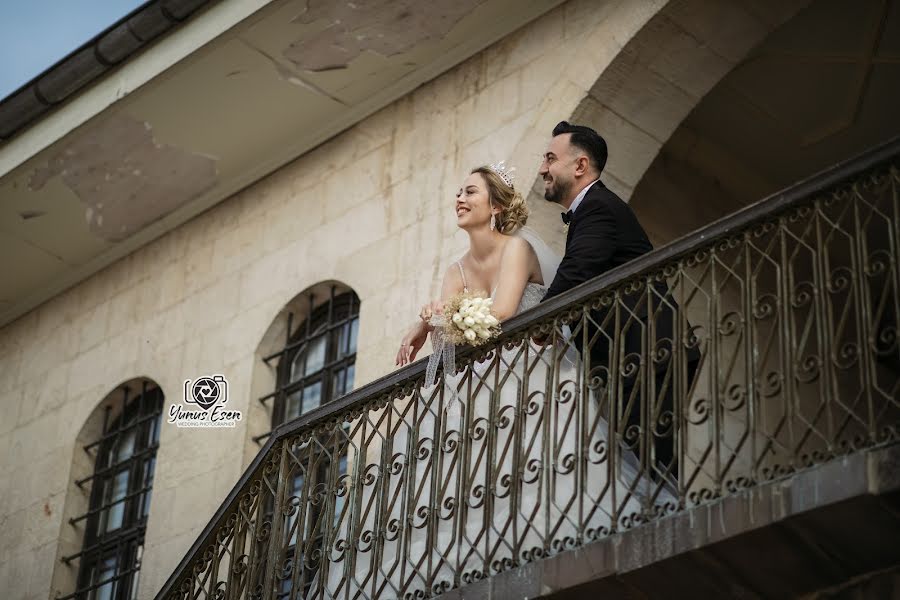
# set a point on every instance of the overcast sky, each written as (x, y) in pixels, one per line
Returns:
(34, 34)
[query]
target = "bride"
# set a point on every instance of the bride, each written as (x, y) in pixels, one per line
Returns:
(520, 470)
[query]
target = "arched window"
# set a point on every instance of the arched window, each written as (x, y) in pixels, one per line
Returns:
(120, 489)
(318, 363)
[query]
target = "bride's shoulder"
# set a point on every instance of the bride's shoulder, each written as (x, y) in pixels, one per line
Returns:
(517, 248)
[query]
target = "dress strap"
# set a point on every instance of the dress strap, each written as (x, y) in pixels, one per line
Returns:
(463, 275)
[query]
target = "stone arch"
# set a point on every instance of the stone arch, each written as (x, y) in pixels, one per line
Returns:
(264, 375)
(637, 97)
(77, 498)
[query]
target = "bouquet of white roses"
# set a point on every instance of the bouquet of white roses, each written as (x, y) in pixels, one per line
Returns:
(468, 319)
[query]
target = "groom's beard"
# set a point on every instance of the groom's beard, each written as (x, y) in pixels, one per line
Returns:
(557, 191)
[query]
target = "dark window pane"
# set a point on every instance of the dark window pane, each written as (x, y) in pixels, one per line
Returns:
(312, 396)
(315, 358)
(293, 406)
(116, 489)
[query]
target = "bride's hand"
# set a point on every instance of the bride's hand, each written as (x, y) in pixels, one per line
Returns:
(429, 310)
(411, 344)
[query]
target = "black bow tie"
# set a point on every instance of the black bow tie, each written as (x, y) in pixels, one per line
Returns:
(567, 217)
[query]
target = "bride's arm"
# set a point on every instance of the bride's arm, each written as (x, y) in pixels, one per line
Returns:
(415, 338)
(516, 267)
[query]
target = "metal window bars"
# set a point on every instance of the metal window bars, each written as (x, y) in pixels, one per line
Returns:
(327, 322)
(120, 487)
(763, 344)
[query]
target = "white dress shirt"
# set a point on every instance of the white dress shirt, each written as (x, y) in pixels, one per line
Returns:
(577, 201)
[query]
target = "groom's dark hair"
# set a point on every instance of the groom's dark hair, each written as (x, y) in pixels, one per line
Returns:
(587, 140)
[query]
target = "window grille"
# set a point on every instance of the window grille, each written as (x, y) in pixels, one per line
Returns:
(120, 490)
(316, 366)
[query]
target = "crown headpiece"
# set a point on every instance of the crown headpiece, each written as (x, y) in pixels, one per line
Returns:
(506, 174)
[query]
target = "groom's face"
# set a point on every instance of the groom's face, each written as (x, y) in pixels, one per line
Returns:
(558, 169)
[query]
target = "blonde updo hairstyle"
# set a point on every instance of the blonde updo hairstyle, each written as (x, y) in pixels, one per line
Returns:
(513, 211)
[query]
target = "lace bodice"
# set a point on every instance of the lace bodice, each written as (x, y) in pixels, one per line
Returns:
(531, 295)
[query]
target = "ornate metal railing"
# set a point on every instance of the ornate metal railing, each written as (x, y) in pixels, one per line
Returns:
(759, 345)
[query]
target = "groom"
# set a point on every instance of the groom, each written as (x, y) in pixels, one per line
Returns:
(603, 233)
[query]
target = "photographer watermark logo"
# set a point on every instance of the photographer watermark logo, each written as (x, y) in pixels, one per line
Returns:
(209, 393)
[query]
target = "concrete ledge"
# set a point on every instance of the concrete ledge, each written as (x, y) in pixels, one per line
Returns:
(806, 532)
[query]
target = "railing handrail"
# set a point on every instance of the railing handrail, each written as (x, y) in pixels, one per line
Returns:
(728, 225)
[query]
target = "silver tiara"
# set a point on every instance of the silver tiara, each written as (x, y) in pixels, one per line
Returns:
(505, 174)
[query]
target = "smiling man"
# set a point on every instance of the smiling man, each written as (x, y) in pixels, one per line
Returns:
(603, 233)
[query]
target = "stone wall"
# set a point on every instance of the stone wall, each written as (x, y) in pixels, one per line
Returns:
(372, 209)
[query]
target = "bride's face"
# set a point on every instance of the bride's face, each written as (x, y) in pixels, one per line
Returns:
(473, 206)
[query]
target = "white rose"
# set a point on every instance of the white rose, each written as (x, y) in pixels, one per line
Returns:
(491, 321)
(457, 318)
(470, 335)
(469, 321)
(478, 318)
(464, 305)
(484, 334)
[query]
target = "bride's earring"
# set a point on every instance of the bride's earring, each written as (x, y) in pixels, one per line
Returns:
(493, 222)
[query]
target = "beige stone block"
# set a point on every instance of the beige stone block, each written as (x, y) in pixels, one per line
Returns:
(365, 179)
(124, 353)
(262, 279)
(401, 160)
(88, 369)
(166, 368)
(644, 98)
(542, 37)
(375, 131)
(204, 310)
(580, 17)
(10, 366)
(160, 559)
(683, 60)
(170, 284)
(122, 313)
(54, 314)
(19, 572)
(403, 205)
(243, 245)
(198, 268)
(490, 108)
(45, 394)
(42, 522)
(352, 231)
(203, 355)
(242, 335)
(728, 29)
(500, 144)
(43, 563)
(631, 150)
(92, 326)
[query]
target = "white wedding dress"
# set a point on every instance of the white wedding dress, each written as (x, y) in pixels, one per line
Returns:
(469, 486)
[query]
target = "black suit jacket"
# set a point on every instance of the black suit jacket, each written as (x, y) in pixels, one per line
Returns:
(604, 233)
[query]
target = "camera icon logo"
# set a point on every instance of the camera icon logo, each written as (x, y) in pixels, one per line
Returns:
(206, 391)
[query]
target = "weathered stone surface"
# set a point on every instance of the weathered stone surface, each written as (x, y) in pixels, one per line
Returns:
(816, 529)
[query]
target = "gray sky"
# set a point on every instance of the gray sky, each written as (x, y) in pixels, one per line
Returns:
(34, 34)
